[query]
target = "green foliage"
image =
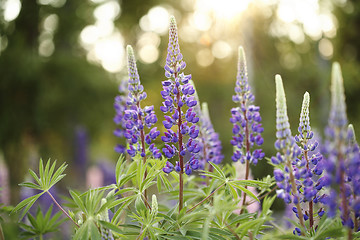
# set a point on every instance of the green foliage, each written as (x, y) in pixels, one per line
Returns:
(208, 212)
(47, 178)
(41, 224)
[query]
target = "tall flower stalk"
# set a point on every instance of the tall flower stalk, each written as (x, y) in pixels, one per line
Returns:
(287, 153)
(208, 139)
(178, 98)
(136, 117)
(307, 166)
(246, 120)
(342, 158)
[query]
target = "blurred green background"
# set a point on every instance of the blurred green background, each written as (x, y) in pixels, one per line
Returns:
(61, 62)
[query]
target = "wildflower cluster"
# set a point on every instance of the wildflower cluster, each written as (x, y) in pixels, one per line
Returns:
(178, 95)
(245, 118)
(304, 178)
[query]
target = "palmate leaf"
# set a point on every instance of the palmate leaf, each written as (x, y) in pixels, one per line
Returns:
(46, 179)
(42, 224)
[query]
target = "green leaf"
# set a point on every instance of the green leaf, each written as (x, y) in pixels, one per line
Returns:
(30, 185)
(232, 191)
(33, 174)
(94, 232)
(251, 183)
(112, 227)
(28, 202)
(247, 191)
(218, 170)
(211, 175)
(78, 200)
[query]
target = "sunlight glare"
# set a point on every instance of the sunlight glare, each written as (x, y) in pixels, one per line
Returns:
(11, 9)
(204, 57)
(110, 51)
(221, 49)
(226, 9)
(107, 11)
(156, 20)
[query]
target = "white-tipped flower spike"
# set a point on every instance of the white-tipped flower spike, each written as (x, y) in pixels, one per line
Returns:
(337, 116)
(304, 115)
(283, 132)
(351, 134)
(242, 88)
(245, 118)
(154, 205)
(135, 87)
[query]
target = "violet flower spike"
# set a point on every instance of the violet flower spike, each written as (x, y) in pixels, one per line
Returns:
(209, 141)
(137, 118)
(286, 176)
(120, 106)
(179, 107)
(307, 167)
(245, 118)
(337, 156)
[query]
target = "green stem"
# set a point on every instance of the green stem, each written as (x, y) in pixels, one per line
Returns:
(232, 231)
(247, 161)
(1, 233)
(294, 192)
(181, 160)
(205, 199)
(57, 204)
(142, 137)
(311, 210)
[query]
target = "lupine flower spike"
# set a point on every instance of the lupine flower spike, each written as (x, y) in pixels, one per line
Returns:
(120, 107)
(208, 139)
(307, 167)
(137, 117)
(352, 171)
(287, 153)
(342, 158)
(246, 120)
(178, 107)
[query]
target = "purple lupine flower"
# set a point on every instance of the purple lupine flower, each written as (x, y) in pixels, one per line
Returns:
(136, 118)
(178, 107)
(120, 107)
(307, 166)
(340, 155)
(211, 143)
(285, 174)
(245, 118)
(208, 139)
(352, 169)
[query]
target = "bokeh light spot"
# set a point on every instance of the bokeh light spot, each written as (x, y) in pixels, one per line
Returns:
(221, 49)
(148, 53)
(11, 10)
(326, 48)
(204, 57)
